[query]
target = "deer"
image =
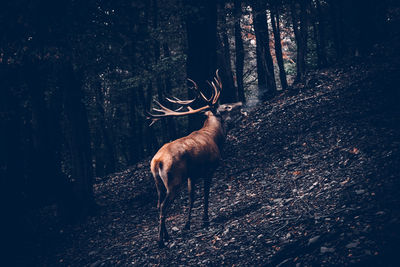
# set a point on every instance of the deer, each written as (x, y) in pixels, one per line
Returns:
(192, 157)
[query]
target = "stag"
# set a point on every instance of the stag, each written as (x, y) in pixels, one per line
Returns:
(191, 157)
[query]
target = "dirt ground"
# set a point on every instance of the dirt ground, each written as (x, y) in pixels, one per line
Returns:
(308, 178)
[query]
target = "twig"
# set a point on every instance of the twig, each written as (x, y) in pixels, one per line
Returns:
(280, 228)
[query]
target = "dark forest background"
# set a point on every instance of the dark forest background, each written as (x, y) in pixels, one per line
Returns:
(78, 76)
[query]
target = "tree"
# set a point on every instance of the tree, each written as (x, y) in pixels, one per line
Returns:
(78, 138)
(201, 28)
(319, 35)
(229, 94)
(265, 68)
(278, 46)
(239, 50)
(300, 29)
(336, 15)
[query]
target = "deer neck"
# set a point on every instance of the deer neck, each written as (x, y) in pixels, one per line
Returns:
(213, 127)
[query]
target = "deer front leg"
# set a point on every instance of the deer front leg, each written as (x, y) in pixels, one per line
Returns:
(191, 190)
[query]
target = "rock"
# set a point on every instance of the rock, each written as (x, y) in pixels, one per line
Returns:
(325, 250)
(352, 244)
(283, 262)
(91, 253)
(96, 263)
(360, 191)
(313, 239)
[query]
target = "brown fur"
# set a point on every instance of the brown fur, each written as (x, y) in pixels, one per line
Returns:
(187, 156)
(191, 157)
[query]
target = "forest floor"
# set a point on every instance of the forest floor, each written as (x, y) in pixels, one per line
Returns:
(308, 178)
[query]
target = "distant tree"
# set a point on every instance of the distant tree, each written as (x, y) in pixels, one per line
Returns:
(201, 24)
(229, 94)
(319, 34)
(168, 90)
(265, 68)
(336, 16)
(300, 29)
(78, 138)
(239, 50)
(278, 47)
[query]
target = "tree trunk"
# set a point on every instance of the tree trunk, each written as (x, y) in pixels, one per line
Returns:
(108, 153)
(135, 125)
(239, 49)
(278, 46)
(159, 85)
(337, 25)
(45, 180)
(317, 44)
(228, 95)
(168, 90)
(323, 61)
(201, 23)
(265, 68)
(300, 31)
(77, 133)
(150, 139)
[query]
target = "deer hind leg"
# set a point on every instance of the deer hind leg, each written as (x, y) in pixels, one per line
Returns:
(191, 190)
(207, 184)
(163, 233)
(160, 190)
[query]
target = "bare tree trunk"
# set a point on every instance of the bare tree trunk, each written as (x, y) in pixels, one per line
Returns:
(323, 61)
(278, 46)
(228, 95)
(151, 142)
(265, 68)
(337, 25)
(239, 49)
(160, 93)
(78, 138)
(46, 181)
(108, 154)
(136, 123)
(300, 29)
(201, 23)
(168, 89)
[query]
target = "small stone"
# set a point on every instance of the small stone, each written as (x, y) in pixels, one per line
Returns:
(313, 239)
(96, 263)
(325, 250)
(360, 191)
(352, 244)
(226, 231)
(91, 253)
(176, 229)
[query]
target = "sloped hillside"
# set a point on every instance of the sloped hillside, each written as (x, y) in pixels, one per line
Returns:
(308, 178)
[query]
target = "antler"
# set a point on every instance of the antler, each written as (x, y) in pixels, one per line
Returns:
(164, 111)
